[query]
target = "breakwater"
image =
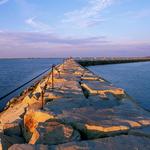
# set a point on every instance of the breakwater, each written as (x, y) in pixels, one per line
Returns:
(110, 60)
(72, 108)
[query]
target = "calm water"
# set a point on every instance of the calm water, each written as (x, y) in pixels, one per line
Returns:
(15, 72)
(133, 77)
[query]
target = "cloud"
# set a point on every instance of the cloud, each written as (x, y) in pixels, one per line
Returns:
(89, 15)
(35, 44)
(49, 38)
(3, 1)
(38, 25)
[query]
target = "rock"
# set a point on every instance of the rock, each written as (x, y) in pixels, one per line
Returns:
(95, 121)
(1, 133)
(65, 104)
(50, 95)
(1, 146)
(98, 87)
(7, 141)
(56, 133)
(123, 142)
(145, 131)
(38, 89)
(13, 113)
(31, 120)
(46, 132)
(1, 128)
(37, 95)
(12, 129)
(28, 147)
(99, 102)
(90, 78)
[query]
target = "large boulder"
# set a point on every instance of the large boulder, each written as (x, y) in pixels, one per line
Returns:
(7, 141)
(38, 129)
(12, 129)
(52, 132)
(31, 120)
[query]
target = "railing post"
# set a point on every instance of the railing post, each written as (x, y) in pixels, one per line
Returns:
(42, 95)
(63, 63)
(53, 77)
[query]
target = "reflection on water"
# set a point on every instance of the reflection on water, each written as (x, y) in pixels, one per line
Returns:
(133, 77)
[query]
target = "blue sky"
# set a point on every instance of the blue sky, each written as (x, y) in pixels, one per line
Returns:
(62, 28)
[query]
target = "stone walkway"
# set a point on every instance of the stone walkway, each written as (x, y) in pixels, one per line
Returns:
(82, 111)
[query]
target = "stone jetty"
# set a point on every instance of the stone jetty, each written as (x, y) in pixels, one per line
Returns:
(110, 60)
(71, 108)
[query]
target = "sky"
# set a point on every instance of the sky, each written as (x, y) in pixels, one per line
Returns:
(77, 28)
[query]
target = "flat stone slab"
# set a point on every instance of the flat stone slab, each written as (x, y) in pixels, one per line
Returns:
(13, 113)
(96, 85)
(94, 122)
(67, 104)
(57, 107)
(145, 131)
(52, 132)
(123, 142)
(100, 102)
(115, 143)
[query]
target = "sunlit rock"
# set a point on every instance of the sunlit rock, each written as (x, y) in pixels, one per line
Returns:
(31, 120)
(50, 95)
(29, 99)
(102, 88)
(13, 113)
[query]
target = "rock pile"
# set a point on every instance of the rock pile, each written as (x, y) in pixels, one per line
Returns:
(82, 111)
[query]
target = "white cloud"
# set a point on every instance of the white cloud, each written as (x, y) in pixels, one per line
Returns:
(89, 15)
(38, 25)
(3, 1)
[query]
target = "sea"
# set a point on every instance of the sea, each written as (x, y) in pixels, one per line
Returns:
(133, 77)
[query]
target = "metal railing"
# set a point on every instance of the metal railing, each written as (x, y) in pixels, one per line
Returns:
(21, 86)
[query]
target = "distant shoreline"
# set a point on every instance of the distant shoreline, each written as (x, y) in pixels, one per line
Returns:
(111, 60)
(78, 58)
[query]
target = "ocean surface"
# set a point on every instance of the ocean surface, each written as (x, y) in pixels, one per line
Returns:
(133, 77)
(15, 72)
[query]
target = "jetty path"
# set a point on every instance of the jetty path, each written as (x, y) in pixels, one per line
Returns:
(71, 108)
